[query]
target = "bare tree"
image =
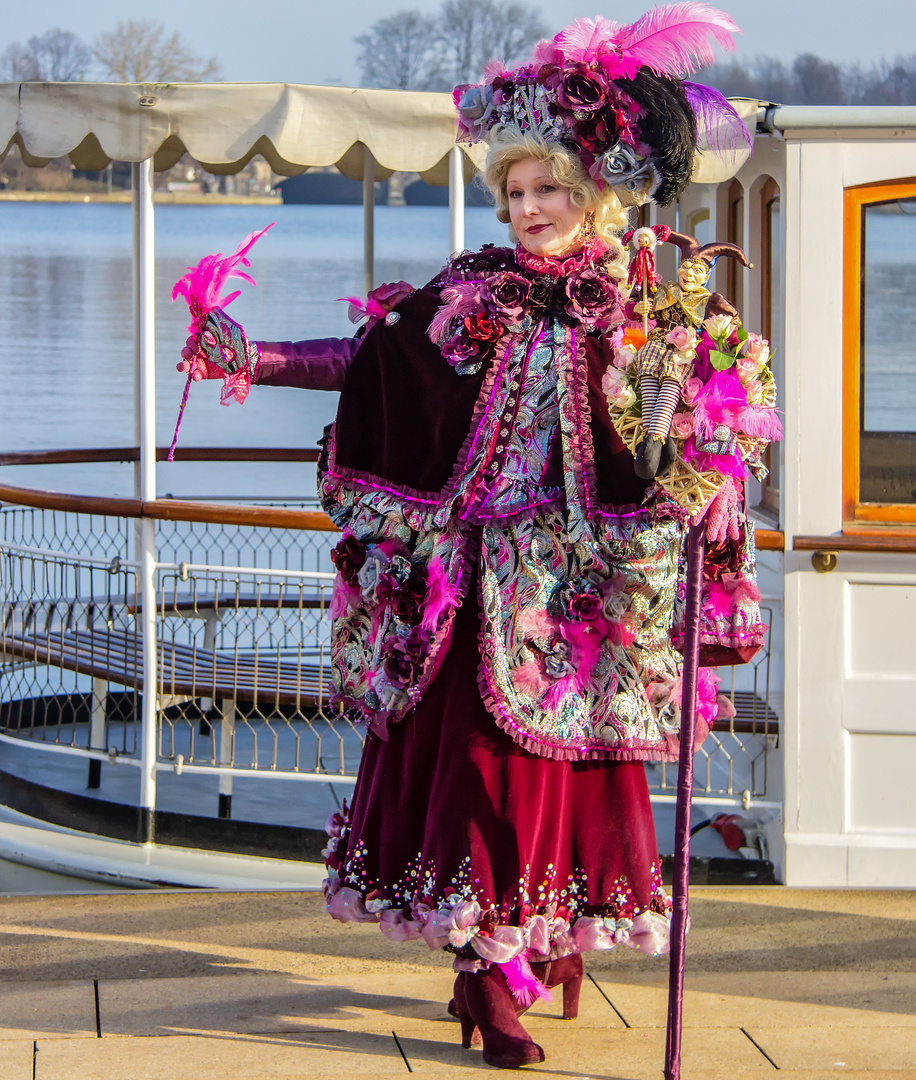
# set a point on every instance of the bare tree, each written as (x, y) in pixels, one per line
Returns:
(400, 53)
(139, 50)
(410, 51)
(55, 56)
(818, 81)
(471, 32)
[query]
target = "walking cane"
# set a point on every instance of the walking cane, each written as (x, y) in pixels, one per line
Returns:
(696, 541)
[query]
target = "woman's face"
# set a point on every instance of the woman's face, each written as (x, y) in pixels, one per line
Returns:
(545, 220)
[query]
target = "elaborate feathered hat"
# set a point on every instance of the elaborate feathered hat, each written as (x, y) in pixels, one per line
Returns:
(616, 96)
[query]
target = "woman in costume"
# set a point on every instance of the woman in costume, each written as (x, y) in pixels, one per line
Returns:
(505, 611)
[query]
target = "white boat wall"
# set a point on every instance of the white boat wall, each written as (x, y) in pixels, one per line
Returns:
(166, 652)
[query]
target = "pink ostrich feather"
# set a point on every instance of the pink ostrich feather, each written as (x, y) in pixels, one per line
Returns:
(761, 422)
(535, 623)
(494, 69)
(526, 987)
(528, 679)
(723, 400)
(677, 39)
(721, 601)
(585, 646)
(546, 52)
(440, 595)
(203, 284)
(582, 39)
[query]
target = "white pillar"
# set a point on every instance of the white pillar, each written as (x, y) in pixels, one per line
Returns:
(368, 220)
(455, 200)
(145, 331)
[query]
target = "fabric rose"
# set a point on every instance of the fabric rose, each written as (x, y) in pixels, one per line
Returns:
(480, 328)
(748, 368)
(681, 425)
(348, 556)
(597, 131)
(617, 389)
(578, 601)
(370, 572)
(719, 326)
(579, 87)
(593, 299)
(509, 295)
(624, 355)
(540, 292)
(556, 662)
(757, 348)
(682, 338)
(459, 350)
(690, 389)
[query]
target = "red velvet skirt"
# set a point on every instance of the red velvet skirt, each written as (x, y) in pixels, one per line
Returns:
(450, 810)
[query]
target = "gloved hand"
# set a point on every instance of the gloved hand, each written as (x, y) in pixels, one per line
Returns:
(221, 349)
(721, 513)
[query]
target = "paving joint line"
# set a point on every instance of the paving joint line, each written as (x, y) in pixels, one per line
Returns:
(623, 1019)
(34, 1057)
(397, 1043)
(756, 1044)
(98, 1010)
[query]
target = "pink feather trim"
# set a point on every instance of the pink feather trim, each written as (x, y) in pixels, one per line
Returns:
(530, 680)
(440, 595)
(721, 598)
(494, 69)
(526, 987)
(760, 422)
(677, 39)
(723, 400)
(202, 286)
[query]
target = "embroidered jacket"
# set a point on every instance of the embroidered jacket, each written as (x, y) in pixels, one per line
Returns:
(502, 467)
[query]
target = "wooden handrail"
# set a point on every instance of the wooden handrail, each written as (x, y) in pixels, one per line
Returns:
(169, 509)
(770, 540)
(132, 453)
(900, 544)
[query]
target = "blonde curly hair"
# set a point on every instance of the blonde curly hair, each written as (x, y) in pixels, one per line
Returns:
(508, 146)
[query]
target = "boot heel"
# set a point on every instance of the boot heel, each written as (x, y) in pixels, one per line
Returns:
(470, 1036)
(571, 991)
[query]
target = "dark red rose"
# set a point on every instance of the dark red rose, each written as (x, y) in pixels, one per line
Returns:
(540, 291)
(348, 556)
(594, 299)
(481, 328)
(460, 350)
(597, 131)
(584, 607)
(509, 295)
(580, 88)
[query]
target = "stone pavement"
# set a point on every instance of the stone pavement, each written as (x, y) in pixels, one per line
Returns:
(231, 986)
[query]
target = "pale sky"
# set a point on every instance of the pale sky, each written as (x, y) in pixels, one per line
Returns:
(311, 41)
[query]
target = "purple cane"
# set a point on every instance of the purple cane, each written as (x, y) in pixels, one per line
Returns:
(696, 543)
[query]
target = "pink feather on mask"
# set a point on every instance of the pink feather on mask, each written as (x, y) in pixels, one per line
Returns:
(677, 39)
(203, 284)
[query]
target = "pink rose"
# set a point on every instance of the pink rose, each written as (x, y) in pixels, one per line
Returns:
(757, 348)
(747, 368)
(682, 425)
(681, 338)
(690, 389)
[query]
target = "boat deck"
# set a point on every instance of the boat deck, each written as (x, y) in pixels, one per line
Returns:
(815, 984)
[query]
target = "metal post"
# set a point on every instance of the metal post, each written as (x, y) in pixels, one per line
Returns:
(695, 552)
(455, 200)
(226, 755)
(368, 220)
(135, 296)
(144, 284)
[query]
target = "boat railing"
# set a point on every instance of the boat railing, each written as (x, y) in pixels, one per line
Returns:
(239, 654)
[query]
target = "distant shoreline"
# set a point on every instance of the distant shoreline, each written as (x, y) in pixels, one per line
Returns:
(166, 197)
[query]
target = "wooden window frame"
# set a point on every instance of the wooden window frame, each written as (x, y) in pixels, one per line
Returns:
(859, 516)
(769, 193)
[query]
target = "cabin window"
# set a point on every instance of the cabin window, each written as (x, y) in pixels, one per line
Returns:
(879, 390)
(734, 281)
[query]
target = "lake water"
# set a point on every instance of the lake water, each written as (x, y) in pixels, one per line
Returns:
(66, 327)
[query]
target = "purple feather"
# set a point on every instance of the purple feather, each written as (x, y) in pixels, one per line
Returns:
(719, 128)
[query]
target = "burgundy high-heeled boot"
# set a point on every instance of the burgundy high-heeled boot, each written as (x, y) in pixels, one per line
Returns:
(566, 972)
(484, 1000)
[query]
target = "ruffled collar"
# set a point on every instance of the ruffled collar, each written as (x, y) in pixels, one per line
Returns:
(559, 266)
